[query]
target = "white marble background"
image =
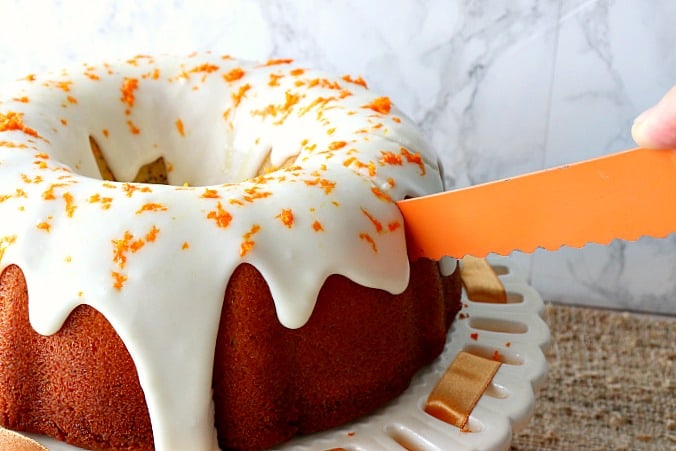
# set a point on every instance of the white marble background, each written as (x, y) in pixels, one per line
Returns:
(500, 86)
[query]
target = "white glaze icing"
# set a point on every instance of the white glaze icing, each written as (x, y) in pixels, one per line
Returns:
(157, 258)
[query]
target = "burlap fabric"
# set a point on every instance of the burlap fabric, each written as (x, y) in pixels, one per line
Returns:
(611, 383)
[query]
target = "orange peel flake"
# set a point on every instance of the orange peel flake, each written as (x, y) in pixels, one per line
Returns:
(206, 67)
(44, 226)
(13, 121)
(241, 93)
(377, 224)
(381, 105)
(5, 242)
(128, 89)
(275, 62)
(369, 239)
(179, 127)
(286, 217)
(118, 280)
(70, 204)
(247, 243)
(220, 216)
(151, 206)
(234, 75)
(380, 194)
(357, 81)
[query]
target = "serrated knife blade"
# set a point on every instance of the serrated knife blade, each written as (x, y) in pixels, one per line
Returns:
(625, 195)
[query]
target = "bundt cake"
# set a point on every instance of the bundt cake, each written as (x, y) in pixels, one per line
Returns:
(197, 241)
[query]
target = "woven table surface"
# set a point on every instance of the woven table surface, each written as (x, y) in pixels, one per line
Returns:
(611, 383)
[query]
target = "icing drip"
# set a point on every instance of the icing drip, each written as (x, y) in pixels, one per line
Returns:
(158, 257)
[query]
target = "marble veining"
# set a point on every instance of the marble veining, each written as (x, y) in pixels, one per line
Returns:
(500, 88)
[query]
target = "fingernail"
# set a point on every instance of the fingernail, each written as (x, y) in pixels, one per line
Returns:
(642, 117)
(638, 128)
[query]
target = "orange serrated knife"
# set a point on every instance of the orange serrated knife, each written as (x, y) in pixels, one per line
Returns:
(624, 195)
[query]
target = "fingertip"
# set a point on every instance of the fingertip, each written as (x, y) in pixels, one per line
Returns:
(656, 127)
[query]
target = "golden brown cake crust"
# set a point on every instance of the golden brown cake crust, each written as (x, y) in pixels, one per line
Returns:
(358, 351)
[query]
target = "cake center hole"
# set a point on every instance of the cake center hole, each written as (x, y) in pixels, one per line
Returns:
(154, 172)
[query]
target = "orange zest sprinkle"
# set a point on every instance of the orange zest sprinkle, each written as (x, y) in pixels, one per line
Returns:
(319, 102)
(335, 145)
(17, 194)
(208, 68)
(274, 79)
(151, 236)
(105, 132)
(22, 99)
(286, 216)
(220, 216)
(325, 184)
(5, 242)
(105, 201)
(394, 225)
(151, 206)
(234, 75)
(72, 100)
(377, 224)
(210, 194)
(317, 226)
(133, 128)
(185, 246)
(118, 280)
(323, 83)
(48, 194)
(380, 194)
(248, 244)
(129, 87)
(357, 81)
(13, 145)
(64, 85)
(14, 121)
(274, 62)
(179, 127)
(120, 249)
(130, 188)
(64, 122)
(70, 204)
(366, 237)
(253, 194)
(414, 158)
(349, 161)
(128, 244)
(27, 179)
(284, 110)
(390, 158)
(298, 71)
(380, 105)
(44, 226)
(237, 98)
